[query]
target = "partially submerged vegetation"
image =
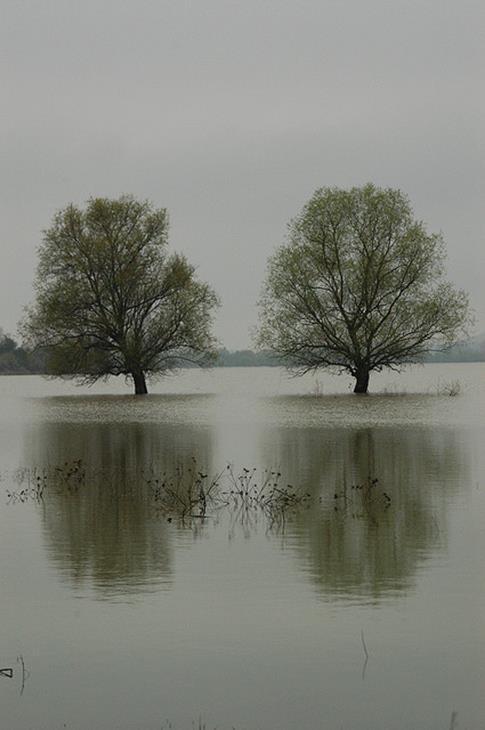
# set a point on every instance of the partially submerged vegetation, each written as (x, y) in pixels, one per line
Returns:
(111, 300)
(363, 496)
(449, 387)
(359, 286)
(33, 483)
(190, 497)
(196, 725)
(192, 494)
(187, 493)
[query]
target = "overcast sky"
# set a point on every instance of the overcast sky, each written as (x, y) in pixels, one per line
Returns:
(230, 114)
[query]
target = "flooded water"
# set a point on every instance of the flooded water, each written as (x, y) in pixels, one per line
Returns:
(355, 608)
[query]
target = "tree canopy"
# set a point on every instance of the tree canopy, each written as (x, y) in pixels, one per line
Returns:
(110, 299)
(359, 286)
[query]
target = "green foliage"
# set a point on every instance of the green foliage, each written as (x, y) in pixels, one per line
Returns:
(110, 300)
(359, 286)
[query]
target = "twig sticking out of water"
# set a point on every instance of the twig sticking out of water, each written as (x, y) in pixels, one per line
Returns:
(25, 673)
(365, 652)
(364, 644)
(369, 494)
(454, 715)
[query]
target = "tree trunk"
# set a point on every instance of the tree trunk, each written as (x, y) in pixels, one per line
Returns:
(361, 379)
(140, 383)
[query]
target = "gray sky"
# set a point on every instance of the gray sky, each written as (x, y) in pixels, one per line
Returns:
(231, 114)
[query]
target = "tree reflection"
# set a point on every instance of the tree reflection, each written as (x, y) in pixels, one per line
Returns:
(351, 548)
(106, 532)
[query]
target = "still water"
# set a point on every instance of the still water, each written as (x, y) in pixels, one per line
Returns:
(339, 612)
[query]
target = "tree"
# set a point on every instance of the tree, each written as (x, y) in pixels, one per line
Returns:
(7, 344)
(358, 286)
(110, 300)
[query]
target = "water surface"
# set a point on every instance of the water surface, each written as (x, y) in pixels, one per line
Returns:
(340, 614)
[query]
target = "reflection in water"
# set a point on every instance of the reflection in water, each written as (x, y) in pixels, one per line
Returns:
(264, 632)
(106, 531)
(349, 547)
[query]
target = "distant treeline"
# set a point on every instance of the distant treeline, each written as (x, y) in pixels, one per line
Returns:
(16, 360)
(470, 352)
(247, 358)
